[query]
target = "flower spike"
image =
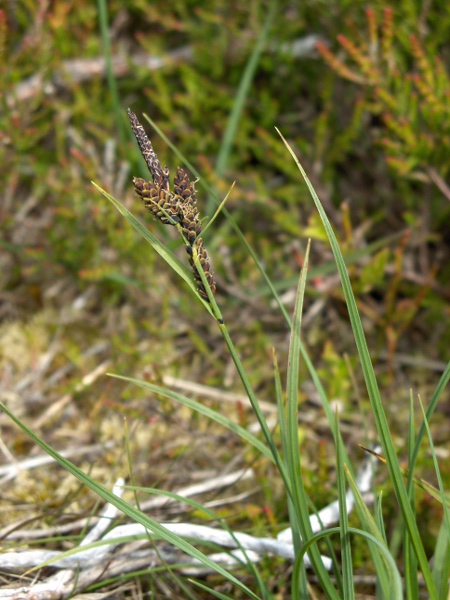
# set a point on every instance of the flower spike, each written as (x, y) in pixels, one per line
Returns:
(173, 208)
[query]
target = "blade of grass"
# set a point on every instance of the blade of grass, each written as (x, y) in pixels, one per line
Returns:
(299, 513)
(441, 580)
(298, 510)
(240, 99)
(202, 409)
(218, 210)
(409, 558)
(373, 391)
(205, 588)
(391, 584)
(421, 483)
(441, 561)
(345, 545)
(256, 409)
(379, 517)
(326, 533)
(112, 82)
(442, 384)
(436, 468)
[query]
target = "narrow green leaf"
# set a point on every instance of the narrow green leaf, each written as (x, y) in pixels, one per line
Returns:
(202, 409)
(440, 575)
(436, 469)
(209, 513)
(397, 594)
(256, 409)
(211, 591)
(111, 78)
(409, 557)
(347, 566)
(218, 210)
(441, 561)
(390, 582)
(240, 98)
(298, 507)
(443, 382)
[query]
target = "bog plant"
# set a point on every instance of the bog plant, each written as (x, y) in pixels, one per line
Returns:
(411, 121)
(178, 208)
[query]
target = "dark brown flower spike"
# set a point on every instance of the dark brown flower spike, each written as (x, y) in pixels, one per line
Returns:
(175, 208)
(160, 176)
(184, 188)
(155, 199)
(185, 196)
(205, 265)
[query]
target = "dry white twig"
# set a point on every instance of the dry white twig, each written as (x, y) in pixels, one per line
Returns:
(211, 484)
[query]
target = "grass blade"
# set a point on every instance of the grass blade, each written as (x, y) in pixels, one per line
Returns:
(347, 567)
(441, 561)
(112, 82)
(445, 378)
(437, 470)
(440, 575)
(299, 513)
(389, 580)
(202, 409)
(409, 558)
(240, 99)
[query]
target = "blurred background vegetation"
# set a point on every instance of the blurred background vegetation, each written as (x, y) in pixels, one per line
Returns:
(362, 92)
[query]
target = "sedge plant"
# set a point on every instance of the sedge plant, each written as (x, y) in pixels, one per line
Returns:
(176, 206)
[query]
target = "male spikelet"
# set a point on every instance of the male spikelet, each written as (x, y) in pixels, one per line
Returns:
(155, 195)
(175, 208)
